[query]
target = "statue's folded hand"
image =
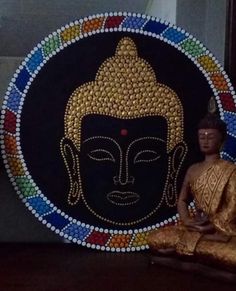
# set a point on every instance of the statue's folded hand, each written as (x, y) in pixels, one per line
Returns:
(201, 220)
(206, 228)
(190, 224)
(217, 236)
(200, 224)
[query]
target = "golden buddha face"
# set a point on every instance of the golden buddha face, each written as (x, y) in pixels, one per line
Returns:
(123, 145)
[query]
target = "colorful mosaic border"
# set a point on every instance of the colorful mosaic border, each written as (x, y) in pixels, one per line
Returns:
(46, 212)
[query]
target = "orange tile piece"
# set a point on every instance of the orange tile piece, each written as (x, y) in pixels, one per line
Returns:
(92, 24)
(120, 241)
(219, 82)
(10, 144)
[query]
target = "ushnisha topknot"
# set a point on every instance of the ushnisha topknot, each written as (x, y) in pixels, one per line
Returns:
(212, 121)
(125, 87)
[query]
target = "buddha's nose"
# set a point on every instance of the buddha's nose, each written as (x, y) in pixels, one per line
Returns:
(119, 181)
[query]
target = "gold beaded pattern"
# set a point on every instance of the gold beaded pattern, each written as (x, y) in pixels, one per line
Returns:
(125, 87)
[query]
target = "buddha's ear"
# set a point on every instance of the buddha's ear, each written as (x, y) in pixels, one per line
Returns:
(176, 158)
(71, 159)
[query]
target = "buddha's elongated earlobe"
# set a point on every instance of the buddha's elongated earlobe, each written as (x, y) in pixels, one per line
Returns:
(176, 159)
(71, 160)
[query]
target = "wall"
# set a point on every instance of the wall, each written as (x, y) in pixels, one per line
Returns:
(201, 18)
(205, 19)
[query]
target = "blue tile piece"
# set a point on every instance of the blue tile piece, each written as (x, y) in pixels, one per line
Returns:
(35, 60)
(56, 220)
(174, 35)
(230, 146)
(13, 100)
(22, 79)
(155, 27)
(40, 206)
(77, 231)
(230, 119)
(134, 22)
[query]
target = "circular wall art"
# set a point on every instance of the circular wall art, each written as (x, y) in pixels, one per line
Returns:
(98, 126)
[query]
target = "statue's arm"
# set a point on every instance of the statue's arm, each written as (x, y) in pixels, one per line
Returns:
(192, 223)
(182, 205)
(223, 223)
(225, 218)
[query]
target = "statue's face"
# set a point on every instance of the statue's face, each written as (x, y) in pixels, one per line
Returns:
(123, 165)
(210, 140)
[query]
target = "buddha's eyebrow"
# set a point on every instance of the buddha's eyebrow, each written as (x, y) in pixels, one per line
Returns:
(153, 138)
(206, 134)
(104, 138)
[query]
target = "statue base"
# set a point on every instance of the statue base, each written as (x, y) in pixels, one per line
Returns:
(184, 264)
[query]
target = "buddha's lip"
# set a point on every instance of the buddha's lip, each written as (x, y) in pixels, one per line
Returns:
(123, 198)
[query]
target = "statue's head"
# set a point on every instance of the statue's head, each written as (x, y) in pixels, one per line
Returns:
(123, 145)
(212, 133)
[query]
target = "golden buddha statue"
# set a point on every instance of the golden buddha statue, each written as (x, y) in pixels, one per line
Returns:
(210, 235)
(123, 146)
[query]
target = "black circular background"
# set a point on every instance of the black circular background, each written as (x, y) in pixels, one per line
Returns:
(42, 121)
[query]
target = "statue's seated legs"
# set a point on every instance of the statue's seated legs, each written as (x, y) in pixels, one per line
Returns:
(221, 254)
(174, 240)
(164, 241)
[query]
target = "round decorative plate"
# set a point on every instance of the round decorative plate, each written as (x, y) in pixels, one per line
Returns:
(98, 122)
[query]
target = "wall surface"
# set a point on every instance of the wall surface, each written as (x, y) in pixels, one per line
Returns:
(204, 19)
(163, 9)
(24, 23)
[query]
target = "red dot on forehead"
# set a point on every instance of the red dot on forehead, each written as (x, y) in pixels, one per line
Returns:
(124, 132)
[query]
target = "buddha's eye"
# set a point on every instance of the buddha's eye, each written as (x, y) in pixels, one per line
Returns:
(146, 156)
(101, 155)
(202, 137)
(211, 137)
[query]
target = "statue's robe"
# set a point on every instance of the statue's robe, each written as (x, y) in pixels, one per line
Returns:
(214, 192)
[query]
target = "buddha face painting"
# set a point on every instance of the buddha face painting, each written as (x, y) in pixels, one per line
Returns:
(94, 124)
(123, 146)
